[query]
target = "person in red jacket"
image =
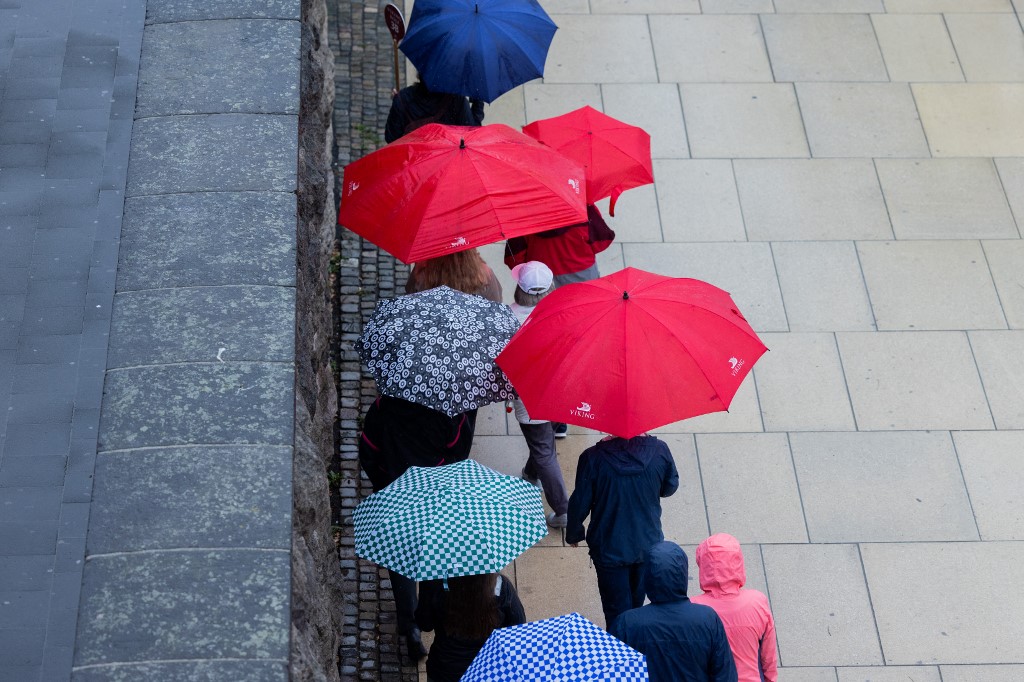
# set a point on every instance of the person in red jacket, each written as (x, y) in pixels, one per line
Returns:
(746, 615)
(570, 252)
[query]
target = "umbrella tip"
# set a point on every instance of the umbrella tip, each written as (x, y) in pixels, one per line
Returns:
(625, 295)
(462, 143)
(476, 8)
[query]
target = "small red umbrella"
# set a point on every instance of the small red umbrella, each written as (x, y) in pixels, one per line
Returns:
(630, 352)
(442, 189)
(615, 155)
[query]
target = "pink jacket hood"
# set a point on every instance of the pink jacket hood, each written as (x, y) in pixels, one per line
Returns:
(720, 561)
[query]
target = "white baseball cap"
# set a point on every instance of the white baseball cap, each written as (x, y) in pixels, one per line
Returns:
(533, 277)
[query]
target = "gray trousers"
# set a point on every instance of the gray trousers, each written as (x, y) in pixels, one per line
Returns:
(543, 464)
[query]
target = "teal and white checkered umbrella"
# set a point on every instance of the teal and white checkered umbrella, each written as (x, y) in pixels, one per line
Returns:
(434, 523)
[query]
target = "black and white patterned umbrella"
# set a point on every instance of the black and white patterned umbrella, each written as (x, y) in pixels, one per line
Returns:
(437, 349)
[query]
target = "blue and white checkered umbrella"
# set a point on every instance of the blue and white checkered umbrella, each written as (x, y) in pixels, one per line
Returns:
(563, 648)
(434, 523)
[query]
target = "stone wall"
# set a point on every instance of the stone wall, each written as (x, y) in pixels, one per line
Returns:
(316, 578)
(210, 407)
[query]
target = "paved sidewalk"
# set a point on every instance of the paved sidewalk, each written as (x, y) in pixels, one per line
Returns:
(68, 73)
(853, 173)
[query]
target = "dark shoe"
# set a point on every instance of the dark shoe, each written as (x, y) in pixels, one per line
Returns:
(415, 645)
(561, 430)
(526, 477)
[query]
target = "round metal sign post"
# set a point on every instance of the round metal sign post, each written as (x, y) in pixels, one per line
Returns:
(396, 25)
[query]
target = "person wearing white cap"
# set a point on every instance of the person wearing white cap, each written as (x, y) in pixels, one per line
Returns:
(533, 281)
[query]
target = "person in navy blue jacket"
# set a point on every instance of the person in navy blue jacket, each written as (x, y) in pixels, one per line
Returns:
(619, 484)
(683, 641)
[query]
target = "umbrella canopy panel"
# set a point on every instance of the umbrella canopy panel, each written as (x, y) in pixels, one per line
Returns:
(616, 156)
(440, 522)
(631, 351)
(436, 348)
(566, 647)
(478, 48)
(442, 189)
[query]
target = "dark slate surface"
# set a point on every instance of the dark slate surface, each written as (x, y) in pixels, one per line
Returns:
(205, 324)
(178, 240)
(194, 10)
(143, 500)
(187, 671)
(202, 403)
(189, 604)
(214, 152)
(68, 75)
(237, 65)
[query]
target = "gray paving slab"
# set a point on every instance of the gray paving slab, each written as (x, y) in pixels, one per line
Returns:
(144, 606)
(697, 200)
(179, 240)
(889, 393)
(733, 463)
(924, 617)
(1011, 174)
(710, 49)
(896, 487)
(930, 285)
(206, 324)
(945, 199)
(992, 466)
(801, 386)
(813, 199)
(861, 120)
(207, 403)
(238, 65)
(246, 500)
(1004, 258)
(203, 153)
(822, 609)
(822, 286)
(823, 47)
(743, 120)
(988, 45)
(989, 673)
(1002, 373)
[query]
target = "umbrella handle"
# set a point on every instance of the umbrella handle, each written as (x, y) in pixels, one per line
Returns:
(394, 45)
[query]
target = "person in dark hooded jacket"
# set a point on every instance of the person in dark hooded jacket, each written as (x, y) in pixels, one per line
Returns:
(396, 435)
(417, 105)
(619, 484)
(683, 641)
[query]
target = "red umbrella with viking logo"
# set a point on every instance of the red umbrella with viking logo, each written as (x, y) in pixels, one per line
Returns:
(630, 352)
(442, 189)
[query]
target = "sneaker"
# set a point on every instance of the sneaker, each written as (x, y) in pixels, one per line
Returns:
(558, 520)
(531, 481)
(561, 430)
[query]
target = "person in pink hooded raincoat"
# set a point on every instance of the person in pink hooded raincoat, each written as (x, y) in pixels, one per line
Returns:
(748, 621)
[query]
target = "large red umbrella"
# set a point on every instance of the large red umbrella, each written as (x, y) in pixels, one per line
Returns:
(630, 352)
(442, 189)
(615, 155)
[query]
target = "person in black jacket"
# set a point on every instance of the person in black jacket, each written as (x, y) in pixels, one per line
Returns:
(398, 434)
(683, 641)
(416, 105)
(464, 617)
(619, 484)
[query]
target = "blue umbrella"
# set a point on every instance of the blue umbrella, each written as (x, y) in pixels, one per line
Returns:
(478, 48)
(562, 648)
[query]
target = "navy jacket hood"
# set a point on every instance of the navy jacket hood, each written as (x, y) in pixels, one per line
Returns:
(667, 573)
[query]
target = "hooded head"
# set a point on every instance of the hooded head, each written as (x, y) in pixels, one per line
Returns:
(720, 561)
(666, 573)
